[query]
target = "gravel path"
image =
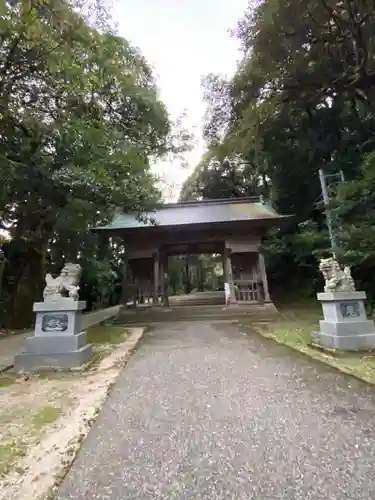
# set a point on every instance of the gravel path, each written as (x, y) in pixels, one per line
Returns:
(203, 411)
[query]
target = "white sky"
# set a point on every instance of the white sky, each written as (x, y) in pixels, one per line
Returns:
(183, 41)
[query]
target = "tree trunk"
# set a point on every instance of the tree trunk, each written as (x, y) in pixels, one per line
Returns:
(3, 264)
(29, 287)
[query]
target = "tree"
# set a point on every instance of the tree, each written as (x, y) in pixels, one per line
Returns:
(356, 207)
(231, 177)
(79, 122)
(302, 99)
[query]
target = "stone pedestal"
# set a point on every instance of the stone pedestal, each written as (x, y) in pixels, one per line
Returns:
(345, 325)
(58, 341)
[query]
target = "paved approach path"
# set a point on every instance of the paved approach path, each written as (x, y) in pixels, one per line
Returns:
(203, 411)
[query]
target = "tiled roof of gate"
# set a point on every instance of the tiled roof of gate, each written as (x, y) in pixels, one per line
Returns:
(198, 212)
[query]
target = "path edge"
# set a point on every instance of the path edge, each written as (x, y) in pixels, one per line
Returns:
(130, 345)
(326, 359)
(46, 488)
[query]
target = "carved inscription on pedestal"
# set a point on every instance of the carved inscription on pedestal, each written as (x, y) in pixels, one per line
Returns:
(350, 309)
(55, 322)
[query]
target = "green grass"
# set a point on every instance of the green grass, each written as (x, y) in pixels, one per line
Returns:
(9, 454)
(106, 334)
(45, 416)
(6, 381)
(99, 353)
(294, 327)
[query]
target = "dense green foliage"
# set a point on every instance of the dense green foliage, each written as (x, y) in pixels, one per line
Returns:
(302, 98)
(80, 121)
(195, 272)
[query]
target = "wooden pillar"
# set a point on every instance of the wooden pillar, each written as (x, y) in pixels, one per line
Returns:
(125, 281)
(229, 275)
(131, 277)
(224, 267)
(164, 280)
(156, 278)
(135, 291)
(161, 276)
(263, 276)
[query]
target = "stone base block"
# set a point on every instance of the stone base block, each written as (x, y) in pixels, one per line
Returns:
(345, 325)
(348, 343)
(347, 328)
(58, 343)
(346, 307)
(28, 362)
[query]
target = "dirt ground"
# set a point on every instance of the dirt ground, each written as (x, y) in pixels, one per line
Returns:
(44, 418)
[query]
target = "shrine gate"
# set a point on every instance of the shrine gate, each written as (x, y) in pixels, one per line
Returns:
(233, 228)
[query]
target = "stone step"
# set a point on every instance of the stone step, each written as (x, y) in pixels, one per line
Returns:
(200, 302)
(254, 313)
(198, 299)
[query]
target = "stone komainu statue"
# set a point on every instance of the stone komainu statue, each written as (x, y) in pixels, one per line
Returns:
(336, 279)
(65, 285)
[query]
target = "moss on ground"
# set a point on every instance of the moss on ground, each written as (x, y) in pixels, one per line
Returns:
(25, 420)
(294, 326)
(9, 454)
(98, 354)
(6, 381)
(45, 416)
(106, 334)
